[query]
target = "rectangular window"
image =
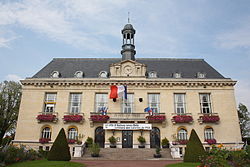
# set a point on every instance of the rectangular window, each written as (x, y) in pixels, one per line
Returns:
(205, 103)
(128, 105)
(179, 100)
(154, 102)
(49, 103)
(75, 103)
(101, 101)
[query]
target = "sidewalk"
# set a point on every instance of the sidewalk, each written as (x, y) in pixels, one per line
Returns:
(127, 163)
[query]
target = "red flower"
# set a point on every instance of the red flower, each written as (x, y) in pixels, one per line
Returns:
(183, 142)
(210, 118)
(44, 140)
(99, 118)
(46, 118)
(71, 141)
(211, 141)
(156, 118)
(182, 118)
(73, 118)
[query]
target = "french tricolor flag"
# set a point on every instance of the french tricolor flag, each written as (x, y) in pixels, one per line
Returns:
(118, 91)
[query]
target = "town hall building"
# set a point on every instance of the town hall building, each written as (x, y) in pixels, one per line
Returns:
(180, 95)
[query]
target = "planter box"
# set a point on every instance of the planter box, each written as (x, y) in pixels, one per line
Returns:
(210, 118)
(44, 140)
(46, 118)
(141, 146)
(211, 141)
(99, 118)
(157, 155)
(73, 118)
(182, 119)
(156, 118)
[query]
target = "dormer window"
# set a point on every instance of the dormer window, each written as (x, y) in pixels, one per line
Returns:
(201, 75)
(177, 75)
(103, 74)
(78, 74)
(152, 74)
(55, 74)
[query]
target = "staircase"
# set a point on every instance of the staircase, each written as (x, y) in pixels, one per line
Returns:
(127, 154)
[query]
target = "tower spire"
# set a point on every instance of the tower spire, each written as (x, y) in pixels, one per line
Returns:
(128, 18)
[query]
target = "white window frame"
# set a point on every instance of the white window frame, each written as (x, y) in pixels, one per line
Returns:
(182, 134)
(205, 106)
(154, 102)
(72, 133)
(152, 74)
(75, 106)
(128, 104)
(50, 103)
(180, 103)
(46, 133)
(209, 133)
(101, 100)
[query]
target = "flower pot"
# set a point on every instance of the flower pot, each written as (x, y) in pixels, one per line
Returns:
(112, 146)
(157, 155)
(165, 146)
(141, 146)
(94, 155)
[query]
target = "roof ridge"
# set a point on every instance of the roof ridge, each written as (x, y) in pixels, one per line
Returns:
(176, 59)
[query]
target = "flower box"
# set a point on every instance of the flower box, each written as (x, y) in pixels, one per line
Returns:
(44, 140)
(71, 141)
(46, 117)
(210, 141)
(182, 118)
(99, 118)
(73, 118)
(210, 118)
(156, 118)
(182, 142)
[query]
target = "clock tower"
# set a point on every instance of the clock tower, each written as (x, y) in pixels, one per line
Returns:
(128, 48)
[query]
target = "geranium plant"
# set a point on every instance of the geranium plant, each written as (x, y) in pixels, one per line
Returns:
(210, 118)
(182, 118)
(210, 141)
(99, 118)
(72, 141)
(46, 117)
(156, 118)
(44, 140)
(73, 118)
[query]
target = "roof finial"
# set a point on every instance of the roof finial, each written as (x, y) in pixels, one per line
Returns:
(128, 17)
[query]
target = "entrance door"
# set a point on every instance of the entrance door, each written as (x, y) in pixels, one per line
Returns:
(100, 136)
(127, 139)
(155, 138)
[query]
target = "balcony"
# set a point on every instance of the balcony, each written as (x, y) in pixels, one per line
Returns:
(47, 117)
(73, 117)
(209, 118)
(182, 118)
(98, 117)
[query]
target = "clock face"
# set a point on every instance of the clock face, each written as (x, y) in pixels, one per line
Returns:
(128, 69)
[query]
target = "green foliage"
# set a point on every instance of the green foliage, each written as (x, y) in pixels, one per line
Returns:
(12, 154)
(45, 163)
(141, 139)
(164, 142)
(248, 152)
(157, 150)
(112, 140)
(244, 118)
(185, 164)
(60, 148)
(95, 148)
(10, 96)
(194, 148)
(238, 158)
(89, 141)
(43, 153)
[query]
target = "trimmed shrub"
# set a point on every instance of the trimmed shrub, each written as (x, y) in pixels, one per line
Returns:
(194, 148)
(60, 149)
(89, 141)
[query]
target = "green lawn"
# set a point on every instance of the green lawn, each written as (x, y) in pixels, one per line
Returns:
(45, 163)
(184, 164)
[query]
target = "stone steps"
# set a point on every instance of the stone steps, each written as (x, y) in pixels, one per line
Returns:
(127, 154)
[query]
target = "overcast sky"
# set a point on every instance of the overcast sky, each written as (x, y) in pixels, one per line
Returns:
(33, 32)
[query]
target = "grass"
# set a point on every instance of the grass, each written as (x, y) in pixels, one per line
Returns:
(46, 163)
(184, 164)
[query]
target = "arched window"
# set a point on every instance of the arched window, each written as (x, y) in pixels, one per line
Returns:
(55, 74)
(103, 74)
(152, 74)
(78, 74)
(46, 133)
(182, 134)
(177, 75)
(209, 133)
(72, 133)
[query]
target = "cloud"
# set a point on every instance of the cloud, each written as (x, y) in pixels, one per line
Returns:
(13, 77)
(242, 92)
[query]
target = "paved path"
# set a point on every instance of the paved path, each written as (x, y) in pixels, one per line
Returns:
(127, 163)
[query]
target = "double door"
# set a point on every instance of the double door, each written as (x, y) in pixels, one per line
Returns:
(127, 139)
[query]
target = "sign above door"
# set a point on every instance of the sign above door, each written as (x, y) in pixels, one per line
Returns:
(114, 126)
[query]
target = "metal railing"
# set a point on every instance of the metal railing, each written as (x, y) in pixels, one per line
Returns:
(130, 116)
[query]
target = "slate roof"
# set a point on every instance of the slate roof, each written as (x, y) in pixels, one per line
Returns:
(165, 67)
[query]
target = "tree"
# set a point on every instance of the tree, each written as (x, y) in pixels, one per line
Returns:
(244, 118)
(10, 97)
(194, 148)
(60, 148)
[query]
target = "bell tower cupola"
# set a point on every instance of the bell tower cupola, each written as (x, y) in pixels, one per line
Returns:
(128, 48)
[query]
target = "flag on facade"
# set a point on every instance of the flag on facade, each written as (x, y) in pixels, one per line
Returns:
(103, 110)
(118, 91)
(148, 110)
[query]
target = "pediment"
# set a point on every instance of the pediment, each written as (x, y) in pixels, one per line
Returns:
(128, 68)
